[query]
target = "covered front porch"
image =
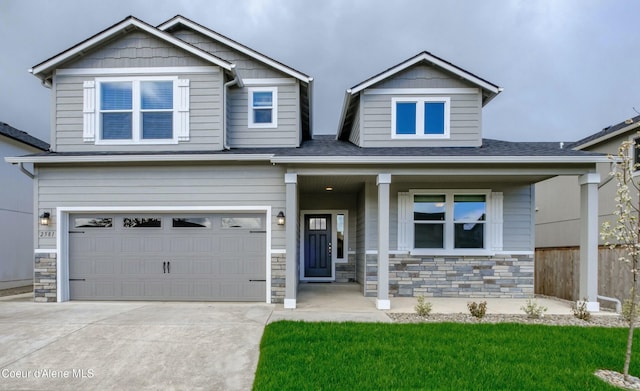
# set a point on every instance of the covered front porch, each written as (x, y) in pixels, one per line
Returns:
(367, 225)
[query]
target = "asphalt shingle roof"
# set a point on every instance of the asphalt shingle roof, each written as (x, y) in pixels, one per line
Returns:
(329, 146)
(23, 137)
(606, 131)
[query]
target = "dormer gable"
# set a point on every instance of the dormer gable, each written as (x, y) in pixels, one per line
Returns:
(423, 101)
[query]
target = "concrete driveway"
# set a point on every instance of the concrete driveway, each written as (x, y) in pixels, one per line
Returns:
(129, 345)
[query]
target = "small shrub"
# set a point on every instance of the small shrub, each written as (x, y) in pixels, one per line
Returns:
(580, 311)
(477, 310)
(423, 308)
(626, 310)
(533, 309)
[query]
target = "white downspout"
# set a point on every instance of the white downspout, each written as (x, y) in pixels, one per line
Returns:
(236, 81)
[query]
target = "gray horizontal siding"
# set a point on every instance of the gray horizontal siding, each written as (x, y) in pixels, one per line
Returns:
(147, 185)
(287, 134)
(136, 49)
(423, 76)
(245, 65)
(205, 116)
(465, 123)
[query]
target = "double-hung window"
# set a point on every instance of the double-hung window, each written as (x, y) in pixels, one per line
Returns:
(449, 220)
(145, 110)
(420, 117)
(263, 107)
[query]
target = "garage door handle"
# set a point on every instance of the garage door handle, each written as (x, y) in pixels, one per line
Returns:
(257, 280)
(164, 267)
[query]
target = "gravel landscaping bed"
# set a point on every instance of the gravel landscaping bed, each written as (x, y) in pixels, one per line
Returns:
(608, 320)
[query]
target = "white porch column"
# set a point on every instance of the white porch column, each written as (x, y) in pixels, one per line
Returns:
(383, 302)
(291, 224)
(589, 240)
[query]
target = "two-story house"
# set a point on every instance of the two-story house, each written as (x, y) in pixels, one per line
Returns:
(184, 167)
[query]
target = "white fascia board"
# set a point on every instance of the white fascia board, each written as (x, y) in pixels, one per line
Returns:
(234, 45)
(86, 45)
(437, 159)
(607, 136)
(422, 57)
(138, 158)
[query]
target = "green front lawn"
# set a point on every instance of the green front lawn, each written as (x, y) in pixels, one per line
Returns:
(449, 356)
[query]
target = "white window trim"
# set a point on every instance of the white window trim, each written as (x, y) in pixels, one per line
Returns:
(136, 136)
(493, 224)
(274, 107)
(419, 101)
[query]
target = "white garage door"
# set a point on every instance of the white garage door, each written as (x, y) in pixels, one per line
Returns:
(142, 256)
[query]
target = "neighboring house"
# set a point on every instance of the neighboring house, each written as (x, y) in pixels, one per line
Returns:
(558, 217)
(16, 209)
(184, 167)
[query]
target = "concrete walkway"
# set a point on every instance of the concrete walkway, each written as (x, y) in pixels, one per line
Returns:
(129, 345)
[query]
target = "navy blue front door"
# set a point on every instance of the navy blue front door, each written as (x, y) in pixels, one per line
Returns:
(317, 246)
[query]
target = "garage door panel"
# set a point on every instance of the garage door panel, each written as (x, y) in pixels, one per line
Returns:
(209, 260)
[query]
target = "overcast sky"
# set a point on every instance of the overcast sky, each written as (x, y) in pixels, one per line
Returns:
(568, 67)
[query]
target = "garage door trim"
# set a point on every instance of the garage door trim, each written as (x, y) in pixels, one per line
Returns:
(62, 233)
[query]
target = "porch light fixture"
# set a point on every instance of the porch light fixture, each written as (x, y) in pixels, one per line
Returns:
(45, 218)
(281, 218)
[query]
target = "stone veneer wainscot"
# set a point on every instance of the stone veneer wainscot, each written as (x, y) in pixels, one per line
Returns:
(44, 278)
(503, 276)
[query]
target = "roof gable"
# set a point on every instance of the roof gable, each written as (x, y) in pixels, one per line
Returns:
(490, 89)
(44, 69)
(22, 137)
(179, 20)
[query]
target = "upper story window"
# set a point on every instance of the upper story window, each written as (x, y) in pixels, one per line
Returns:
(425, 117)
(263, 107)
(142, 110)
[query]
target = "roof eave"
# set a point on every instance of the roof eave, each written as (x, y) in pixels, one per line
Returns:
(441, 159)
(55, 159)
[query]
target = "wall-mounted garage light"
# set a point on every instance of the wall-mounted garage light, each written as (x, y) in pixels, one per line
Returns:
(45, 218)
(281, 218)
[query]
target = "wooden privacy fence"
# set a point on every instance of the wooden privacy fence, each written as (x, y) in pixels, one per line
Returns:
(557, 273)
